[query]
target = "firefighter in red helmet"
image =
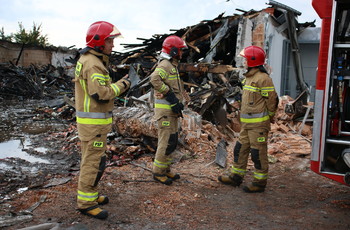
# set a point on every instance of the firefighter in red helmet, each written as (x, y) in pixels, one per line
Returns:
(168, 106)
(258, 106)
(94, 100)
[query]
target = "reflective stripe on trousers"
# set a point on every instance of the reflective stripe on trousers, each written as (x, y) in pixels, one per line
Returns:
(87, 196)
(255, 117)
(160, 164)
(91, 170)
(167, 127)
(256, 140)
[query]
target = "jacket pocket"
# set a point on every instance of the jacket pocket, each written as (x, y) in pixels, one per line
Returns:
(251, 99)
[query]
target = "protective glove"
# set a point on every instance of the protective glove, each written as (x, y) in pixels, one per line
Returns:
(176, 105)
(170, 96)
(125, 81)
(177, 108)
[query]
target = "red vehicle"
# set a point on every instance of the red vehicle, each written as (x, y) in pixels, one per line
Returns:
(330, 155)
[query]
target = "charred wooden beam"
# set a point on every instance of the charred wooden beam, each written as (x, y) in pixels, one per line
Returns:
(33, 81)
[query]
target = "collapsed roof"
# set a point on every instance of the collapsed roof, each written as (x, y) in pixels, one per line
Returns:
(210, 67)
(216, 40)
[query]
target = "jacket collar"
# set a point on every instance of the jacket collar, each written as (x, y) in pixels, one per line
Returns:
(251, 72)
(103, 57)
(166, 56)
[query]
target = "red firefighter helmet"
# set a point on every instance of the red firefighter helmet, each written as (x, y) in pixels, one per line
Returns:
(254, 55)
(172, 45)
(98, 32)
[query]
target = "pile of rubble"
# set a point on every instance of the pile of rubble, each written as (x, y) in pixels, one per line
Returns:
(288, 138)
(33, 82)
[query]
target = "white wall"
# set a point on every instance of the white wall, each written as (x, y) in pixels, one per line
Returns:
(274, 45)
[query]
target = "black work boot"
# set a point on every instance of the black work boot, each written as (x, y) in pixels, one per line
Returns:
(254, 187)
(95, 212)
(173, 176)
(233, 180)
(101, 200)
(162, 178)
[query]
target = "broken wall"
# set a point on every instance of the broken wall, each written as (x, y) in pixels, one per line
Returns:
(275, 44)
(36, 57)
(309, 46)
(9, 52)
(252, 30)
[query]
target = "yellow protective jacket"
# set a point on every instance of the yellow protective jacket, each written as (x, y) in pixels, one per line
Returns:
(165, 78)
(259, 100)
(94, 94)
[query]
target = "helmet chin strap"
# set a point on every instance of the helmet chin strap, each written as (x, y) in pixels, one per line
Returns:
(98, 48)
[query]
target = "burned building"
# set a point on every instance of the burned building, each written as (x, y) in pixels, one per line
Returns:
(292, 47)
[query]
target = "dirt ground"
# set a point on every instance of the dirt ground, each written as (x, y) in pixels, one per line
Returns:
(295, 198)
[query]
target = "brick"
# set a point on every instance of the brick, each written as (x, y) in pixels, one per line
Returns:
(283, 128)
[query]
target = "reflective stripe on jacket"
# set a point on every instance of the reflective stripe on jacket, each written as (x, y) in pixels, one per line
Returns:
(259, 100)
(162, 104)
(94, 91)
(165, 78)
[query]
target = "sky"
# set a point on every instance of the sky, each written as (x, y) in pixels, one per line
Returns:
(65, 22)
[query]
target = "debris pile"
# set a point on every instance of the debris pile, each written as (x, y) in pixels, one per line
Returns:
(290, 137)
(33, 82)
